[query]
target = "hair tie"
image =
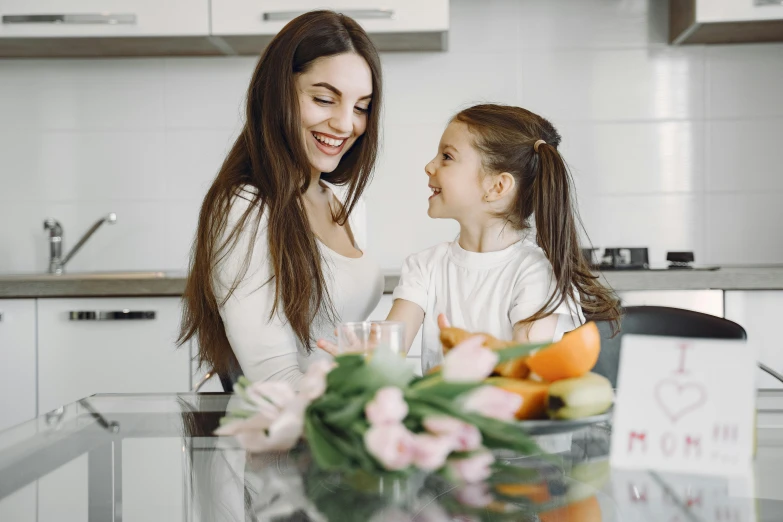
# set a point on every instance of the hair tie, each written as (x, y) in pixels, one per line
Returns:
(537, 144)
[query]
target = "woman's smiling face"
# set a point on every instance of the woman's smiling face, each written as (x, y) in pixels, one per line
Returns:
(334, 99)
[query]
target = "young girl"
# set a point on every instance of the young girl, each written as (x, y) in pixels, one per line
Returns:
(516, 270)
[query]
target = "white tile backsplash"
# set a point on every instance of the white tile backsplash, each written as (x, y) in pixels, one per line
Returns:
(661, 222)
(744, 228)
(613, 85)
(744, 81)
(593, 24)
(635, 158)
(486, 26)
(430, 87)
(745, 155)
(672, 147)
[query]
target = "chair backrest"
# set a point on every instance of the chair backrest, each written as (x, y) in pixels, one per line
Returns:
(664, 321)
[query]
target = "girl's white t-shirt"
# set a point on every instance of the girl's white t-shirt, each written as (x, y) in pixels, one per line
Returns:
(480, 292)
(268, 349)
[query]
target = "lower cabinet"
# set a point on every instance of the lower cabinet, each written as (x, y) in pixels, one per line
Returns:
(109, 345)
(758, 311)
(704, 301)
(17, 362)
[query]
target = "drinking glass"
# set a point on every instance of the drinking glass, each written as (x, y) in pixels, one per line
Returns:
(367, 336)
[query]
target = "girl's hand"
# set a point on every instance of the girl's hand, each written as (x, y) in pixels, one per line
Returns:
(443, 322)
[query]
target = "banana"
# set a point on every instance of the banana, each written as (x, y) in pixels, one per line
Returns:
(579, 397)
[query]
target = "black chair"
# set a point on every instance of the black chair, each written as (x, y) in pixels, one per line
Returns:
(664, 321)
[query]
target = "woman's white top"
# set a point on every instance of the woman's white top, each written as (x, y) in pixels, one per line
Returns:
(480, 292)
(268, 349)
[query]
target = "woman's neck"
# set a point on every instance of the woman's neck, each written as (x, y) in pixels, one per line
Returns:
(492, 236)
(316, 192)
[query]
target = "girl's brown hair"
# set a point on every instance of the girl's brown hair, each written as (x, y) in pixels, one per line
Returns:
(270, 156)
(506, 138)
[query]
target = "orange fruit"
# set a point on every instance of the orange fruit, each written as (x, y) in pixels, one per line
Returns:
(534, 395)
(587, 510)
(572, 356)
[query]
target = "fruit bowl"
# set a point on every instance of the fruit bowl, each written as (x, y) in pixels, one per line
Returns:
(553, 426)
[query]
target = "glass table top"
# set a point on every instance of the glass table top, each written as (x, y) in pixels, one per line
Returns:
(153, 457)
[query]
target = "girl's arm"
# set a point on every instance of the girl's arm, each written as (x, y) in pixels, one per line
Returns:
(409, 313)
(540, 331)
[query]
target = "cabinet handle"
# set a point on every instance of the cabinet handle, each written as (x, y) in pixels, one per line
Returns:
(367, 14)
(71, 19)
(768, 2)
(1, 317)
(104, 315)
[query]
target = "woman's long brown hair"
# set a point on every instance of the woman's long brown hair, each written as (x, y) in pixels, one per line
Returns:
(270, 156)
(506, 138)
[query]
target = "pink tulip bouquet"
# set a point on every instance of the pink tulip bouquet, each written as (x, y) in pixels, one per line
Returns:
(372, 414)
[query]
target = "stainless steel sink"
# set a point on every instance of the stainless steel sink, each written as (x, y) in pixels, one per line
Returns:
(81, 276)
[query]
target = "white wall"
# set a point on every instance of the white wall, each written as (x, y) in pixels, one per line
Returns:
(672, 148)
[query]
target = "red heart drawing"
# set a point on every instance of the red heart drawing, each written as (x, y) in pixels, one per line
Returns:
(678, 399)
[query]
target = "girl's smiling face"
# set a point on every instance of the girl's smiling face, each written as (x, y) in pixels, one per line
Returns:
(455, 176)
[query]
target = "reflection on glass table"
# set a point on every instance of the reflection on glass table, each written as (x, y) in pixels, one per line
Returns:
(153, 457)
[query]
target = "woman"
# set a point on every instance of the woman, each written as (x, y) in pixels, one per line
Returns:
(277, 260)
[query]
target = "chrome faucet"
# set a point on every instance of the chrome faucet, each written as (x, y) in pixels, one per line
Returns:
(56, 260)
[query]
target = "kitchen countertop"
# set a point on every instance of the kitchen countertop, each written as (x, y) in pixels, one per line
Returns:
(150, 284)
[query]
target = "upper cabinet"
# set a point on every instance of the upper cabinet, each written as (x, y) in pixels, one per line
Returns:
(394, 25)
(97, 28)
(725, 21)
(84, 18)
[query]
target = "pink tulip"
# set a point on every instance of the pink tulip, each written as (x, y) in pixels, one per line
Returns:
(258, 433)
(464, 436)
(469, 361)
(493, 402)
(391, 445)
(313, 383)
(387, 407)
(430, 451)
(474, 495)
(471, 469)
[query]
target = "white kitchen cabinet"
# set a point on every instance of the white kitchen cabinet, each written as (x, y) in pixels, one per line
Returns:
(85, 346)
(712, 11)
(392, 24)
(103, 18)
(725, 21)
(758, 311)
(17, 361)
(704, 301)
(269, 16)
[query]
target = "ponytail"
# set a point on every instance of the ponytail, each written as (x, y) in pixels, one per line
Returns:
(515, 140)
(556, 222)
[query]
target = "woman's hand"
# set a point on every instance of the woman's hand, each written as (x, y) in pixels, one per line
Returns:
(352, 344)
(328, 347)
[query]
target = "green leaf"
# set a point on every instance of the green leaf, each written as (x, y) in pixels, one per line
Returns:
(326, 455)
(352, 410)
(446, 389)
(394, 368)
(520, 350)
(339, 376)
